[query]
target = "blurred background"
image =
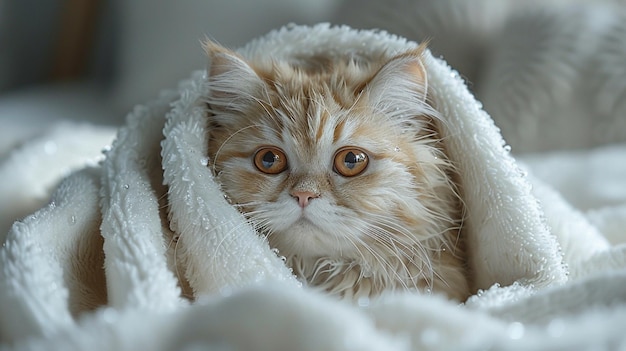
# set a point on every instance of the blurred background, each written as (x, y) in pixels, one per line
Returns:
(534, 64)
(93, 60)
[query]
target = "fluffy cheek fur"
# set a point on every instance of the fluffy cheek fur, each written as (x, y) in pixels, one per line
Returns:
(390, 206)
(394, 226)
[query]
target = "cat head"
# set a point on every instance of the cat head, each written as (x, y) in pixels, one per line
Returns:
(330, 157)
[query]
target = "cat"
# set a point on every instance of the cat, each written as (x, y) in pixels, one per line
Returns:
(338, 163)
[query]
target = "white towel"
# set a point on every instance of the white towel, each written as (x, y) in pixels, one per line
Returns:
(101, 243)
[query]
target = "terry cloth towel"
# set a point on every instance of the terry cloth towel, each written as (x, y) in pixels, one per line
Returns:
(93, 268)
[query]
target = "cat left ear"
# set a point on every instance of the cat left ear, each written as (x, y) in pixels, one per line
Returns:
(233, 82)
(400, 84)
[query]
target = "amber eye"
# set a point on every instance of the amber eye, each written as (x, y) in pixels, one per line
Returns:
(270, 160)
(350, 162)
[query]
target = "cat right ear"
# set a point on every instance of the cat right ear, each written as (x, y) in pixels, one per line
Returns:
(400, 87)
(233, 84)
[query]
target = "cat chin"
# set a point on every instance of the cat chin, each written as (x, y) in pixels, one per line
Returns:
(306, 239)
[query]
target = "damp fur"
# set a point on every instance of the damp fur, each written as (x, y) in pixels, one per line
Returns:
(394, 226)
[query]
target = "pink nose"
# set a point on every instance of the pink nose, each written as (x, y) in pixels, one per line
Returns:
(304, 197)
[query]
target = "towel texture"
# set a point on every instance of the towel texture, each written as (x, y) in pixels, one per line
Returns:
(94, 267)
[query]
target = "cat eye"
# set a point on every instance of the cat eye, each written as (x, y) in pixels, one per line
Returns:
(350, 162)
(270, 160)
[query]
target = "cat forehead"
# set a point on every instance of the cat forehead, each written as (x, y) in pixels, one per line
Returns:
(321, 100)
(324, 131)
(316, 74)
(330, 120)
(318, 64)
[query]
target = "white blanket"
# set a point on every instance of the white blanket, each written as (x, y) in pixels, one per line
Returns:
(91, 271)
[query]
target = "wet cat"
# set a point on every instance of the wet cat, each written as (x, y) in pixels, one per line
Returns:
(338, 162)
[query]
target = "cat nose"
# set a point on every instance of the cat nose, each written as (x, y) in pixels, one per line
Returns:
(304, 197)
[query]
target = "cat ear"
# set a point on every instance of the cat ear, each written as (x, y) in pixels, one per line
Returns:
(400, 86)
(233, 83)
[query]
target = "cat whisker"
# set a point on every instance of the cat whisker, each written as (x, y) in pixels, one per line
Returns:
(213, 166)
(379, 235)
(248, 204)
(231, 235)
(384, 262)
(400, 256)
(311, 107)
(177, 268)
(411, 248)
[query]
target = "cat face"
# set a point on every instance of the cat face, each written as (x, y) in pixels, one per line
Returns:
(339, 161)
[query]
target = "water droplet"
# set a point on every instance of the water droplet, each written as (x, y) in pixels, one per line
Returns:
(363, 301)
(430, 336)
(515, 330)
(106, 149)
(226, 291)
(108, 315)
(507, 148)
(126, 186)
(199, 201)
(204, 161)
(522, 172)
(366, 273)
(283, 258)
(396, 149)
(72, 220)
(50, 147)
(556, 327)
(276, 251)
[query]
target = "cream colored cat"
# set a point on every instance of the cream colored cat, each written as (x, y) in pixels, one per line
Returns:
(337, 161)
